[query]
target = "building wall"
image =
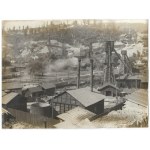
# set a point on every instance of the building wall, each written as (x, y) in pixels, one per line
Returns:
(65, 102)
(128, 83)
(19, 103)
(144, 85)
(97, 108)
(49, 92)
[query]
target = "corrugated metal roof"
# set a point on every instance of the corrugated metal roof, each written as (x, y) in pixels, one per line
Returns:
(86, 123)
(129, 91)
(3, 93)
(139, 97)
(69, 125)
(85, 96)
(76, 115)
(48, 85)
(4, 111)
(107, 84)
(134, 77)
(65, 125)
(9, 86)
(7, 98)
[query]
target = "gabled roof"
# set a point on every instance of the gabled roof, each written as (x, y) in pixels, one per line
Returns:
(106, 85)
(122, 77)
(35, 89)
(9, 97)
(48, 85)
(76, 115)
(85, 96)
(129, 77)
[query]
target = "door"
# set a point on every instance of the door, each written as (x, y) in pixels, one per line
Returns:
(108, 93)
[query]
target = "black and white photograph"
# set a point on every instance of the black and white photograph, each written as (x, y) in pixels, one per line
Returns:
(74, 74)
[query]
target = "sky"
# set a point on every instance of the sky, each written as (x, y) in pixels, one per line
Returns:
(36, 23)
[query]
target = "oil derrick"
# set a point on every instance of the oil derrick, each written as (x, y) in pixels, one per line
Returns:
(108, 75)
(126, 65)
(125, 70)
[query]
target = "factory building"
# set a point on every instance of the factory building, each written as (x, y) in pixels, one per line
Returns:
(109, 89)
(15, 101)
(48, 89)
(129, 81)
(83, 97)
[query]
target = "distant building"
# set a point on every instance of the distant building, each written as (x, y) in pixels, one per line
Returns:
(109, 89)
(15, 101)
(33, 93)
(48, 89)
(129, 81)
(83, 97)
(144, 82)
(12, 87)
(19, 68)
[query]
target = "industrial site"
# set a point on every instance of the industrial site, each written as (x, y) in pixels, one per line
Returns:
(70, 74)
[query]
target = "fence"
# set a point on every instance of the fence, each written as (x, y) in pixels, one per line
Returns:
(35, 120)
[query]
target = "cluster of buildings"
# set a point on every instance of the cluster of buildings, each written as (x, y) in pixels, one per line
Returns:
(76, 108)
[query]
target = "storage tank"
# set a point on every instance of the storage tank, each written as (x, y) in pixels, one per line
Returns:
(43, 109)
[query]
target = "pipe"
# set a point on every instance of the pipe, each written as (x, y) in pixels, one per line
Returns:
(78, 74)
(91, 80)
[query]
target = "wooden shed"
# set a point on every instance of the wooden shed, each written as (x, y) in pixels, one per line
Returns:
(83, 97)
(48, 89)
(109, 89)
(15, 101)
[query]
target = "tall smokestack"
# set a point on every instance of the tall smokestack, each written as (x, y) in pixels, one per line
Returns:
(78, 74)
(124, 53)
(108, 61)
(91, 80)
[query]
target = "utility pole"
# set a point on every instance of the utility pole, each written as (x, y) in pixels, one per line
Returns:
(52, 107)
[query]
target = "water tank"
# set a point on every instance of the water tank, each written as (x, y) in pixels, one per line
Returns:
(43, 109)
